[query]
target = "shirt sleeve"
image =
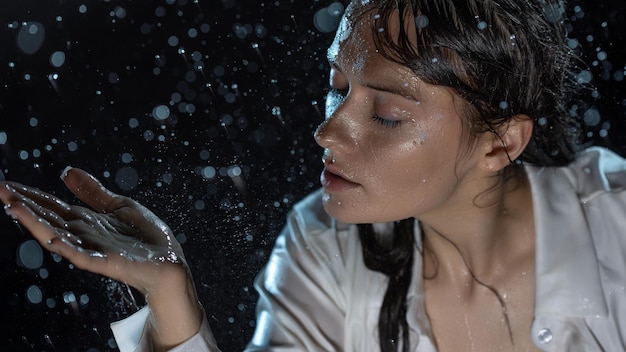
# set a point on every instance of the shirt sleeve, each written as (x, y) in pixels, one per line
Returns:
(301, 305)
(131, 335)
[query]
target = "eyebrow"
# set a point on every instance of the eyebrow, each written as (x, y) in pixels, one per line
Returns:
(402, 90)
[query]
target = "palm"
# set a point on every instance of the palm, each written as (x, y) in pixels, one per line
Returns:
(119, 238)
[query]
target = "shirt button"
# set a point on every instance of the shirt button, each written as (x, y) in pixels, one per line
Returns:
(544, 335)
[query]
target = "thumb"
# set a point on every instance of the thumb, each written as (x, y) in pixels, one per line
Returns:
(88, 189)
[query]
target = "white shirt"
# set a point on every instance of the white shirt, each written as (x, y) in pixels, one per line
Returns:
(315, 293)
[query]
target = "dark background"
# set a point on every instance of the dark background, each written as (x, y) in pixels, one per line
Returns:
(244, 96)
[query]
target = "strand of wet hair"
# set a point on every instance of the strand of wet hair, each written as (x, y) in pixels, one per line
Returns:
(396, 262)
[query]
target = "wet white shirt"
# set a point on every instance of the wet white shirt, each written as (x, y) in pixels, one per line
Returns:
(315, 293)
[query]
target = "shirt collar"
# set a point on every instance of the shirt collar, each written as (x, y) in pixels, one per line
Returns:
(567, 280)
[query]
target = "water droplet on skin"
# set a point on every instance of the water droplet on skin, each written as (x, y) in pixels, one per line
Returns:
(544, 336)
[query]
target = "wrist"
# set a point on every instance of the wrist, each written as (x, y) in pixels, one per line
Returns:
(176, 315)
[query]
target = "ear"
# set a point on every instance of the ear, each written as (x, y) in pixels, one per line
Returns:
(507, 142)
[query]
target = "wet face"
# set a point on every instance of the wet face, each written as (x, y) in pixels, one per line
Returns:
(393, 144)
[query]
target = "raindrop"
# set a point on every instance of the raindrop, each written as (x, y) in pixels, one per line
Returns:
(584, 77)
(133, 122)
(57, 59)
(30, 254)
(51, 303)
(421, 21)
(327, 19)
(30, 37)
(204, 154)
(208, 172)
(119, 12)
(542, 121)
(23, 155)
(127, 158)
(161, 112)
(199, 204)
(72, 146)
(127, 178)
(172, 40)
(145, 28)
(69, 297)
(592, 117)
(482, 25)
(573, 43)
(234, 171)
(84, 299)
(34, 294)
(148, 135)
(114, 77)
(160, 11)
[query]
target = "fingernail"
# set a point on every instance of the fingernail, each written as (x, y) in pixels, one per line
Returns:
(65, 171)
(9, 212)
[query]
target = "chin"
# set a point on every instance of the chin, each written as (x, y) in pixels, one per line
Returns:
(341, 211)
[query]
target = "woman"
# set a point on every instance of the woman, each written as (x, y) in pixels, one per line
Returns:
(456, 211)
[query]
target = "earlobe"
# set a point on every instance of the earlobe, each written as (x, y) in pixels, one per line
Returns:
(508, 142)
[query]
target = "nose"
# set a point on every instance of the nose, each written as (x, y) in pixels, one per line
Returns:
(338, 131)
(321, 134)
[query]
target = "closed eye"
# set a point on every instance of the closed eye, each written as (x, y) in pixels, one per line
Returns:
(386, 122)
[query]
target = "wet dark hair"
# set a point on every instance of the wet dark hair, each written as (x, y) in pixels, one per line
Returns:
(504, 58)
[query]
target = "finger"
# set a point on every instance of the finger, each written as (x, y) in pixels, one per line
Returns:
(48, 212)
(60, 241)
(12, 191)
(89, 190)
(83, 258)
(40, 228)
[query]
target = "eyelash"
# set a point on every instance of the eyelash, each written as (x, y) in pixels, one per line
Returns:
(385, 122)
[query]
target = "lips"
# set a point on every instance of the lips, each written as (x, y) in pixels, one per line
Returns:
(334, 181)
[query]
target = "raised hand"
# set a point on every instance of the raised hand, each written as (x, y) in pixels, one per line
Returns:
(116, 237)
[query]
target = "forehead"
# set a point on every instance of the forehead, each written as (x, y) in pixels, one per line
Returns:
(353, 49)
(354, 33)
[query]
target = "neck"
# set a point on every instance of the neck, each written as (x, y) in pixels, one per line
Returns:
(483, 236)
